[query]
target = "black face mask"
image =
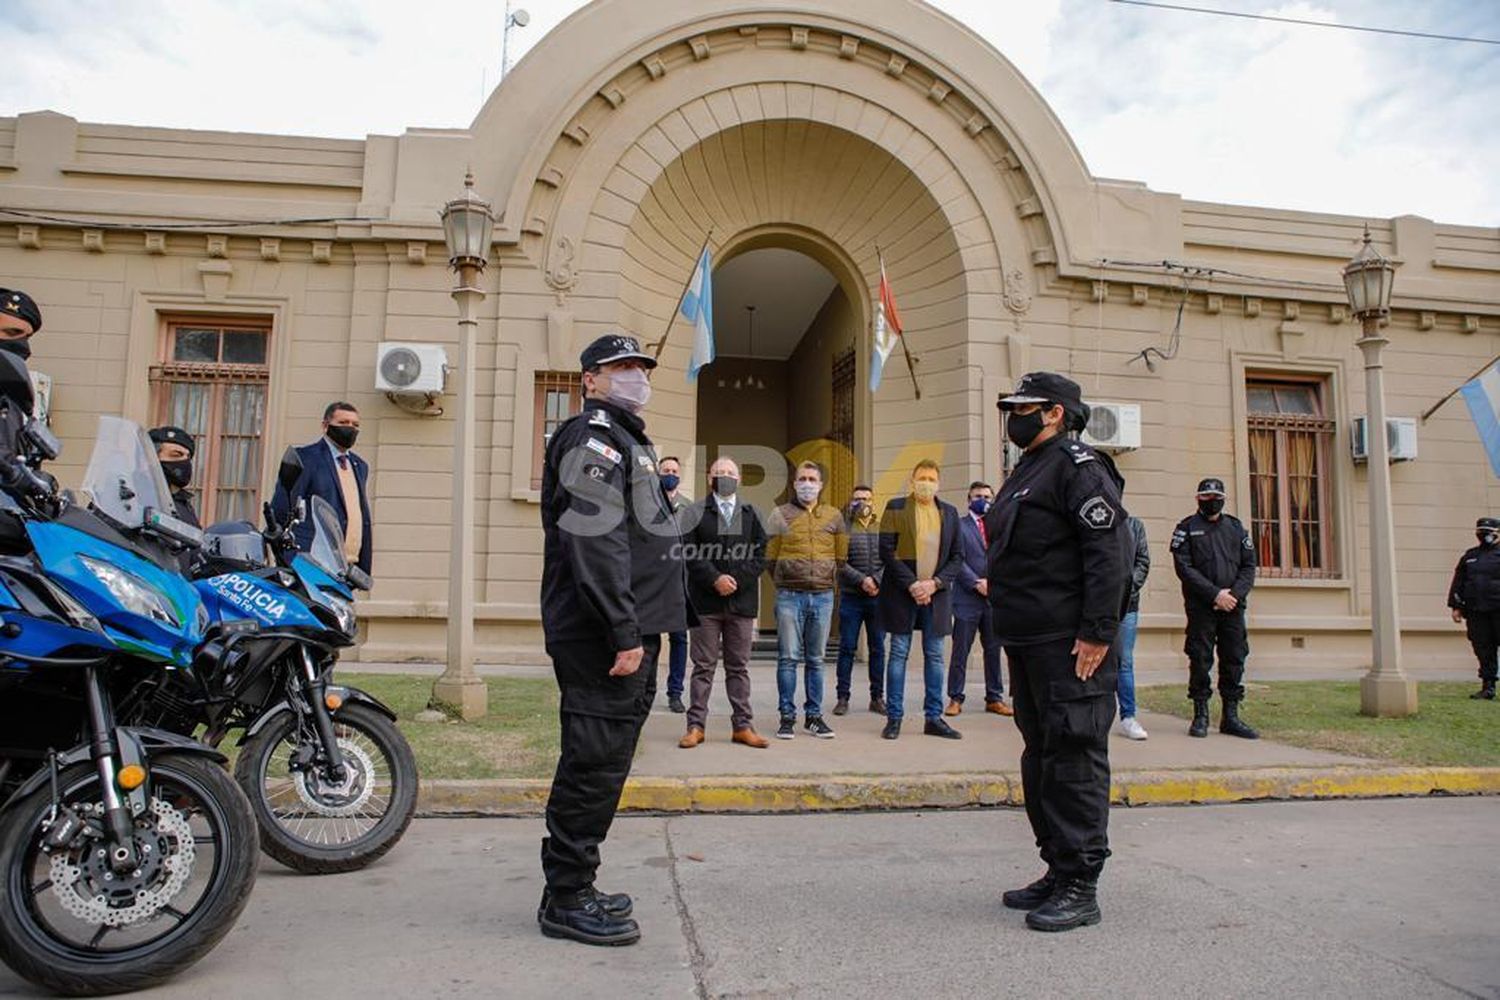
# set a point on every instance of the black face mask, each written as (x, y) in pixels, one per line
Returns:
(178, 473)
(1023, 429)
(343, 436)
(20, 348)
(1487, 538)
(1211, 508)
(726, 486)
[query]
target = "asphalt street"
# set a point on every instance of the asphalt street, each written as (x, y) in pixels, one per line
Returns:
(1369, 899)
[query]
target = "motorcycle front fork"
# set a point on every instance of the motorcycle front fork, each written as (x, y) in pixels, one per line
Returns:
(315, 686)
(105, 750)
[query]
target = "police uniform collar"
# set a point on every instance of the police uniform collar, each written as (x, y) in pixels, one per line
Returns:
(630, 421)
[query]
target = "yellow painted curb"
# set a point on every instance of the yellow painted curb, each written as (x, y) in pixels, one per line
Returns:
(839, 793)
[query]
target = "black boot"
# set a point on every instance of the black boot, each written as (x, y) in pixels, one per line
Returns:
(579, 916)
(1072, 904)
(616, 904)
(1230, 724)
(1199, 727)
(1486, 691)
(1031, 896)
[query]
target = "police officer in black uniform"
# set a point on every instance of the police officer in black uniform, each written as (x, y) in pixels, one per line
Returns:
(1474, 597)
(1059, 578)
(613, 580)
(1215, 559)
(20, 319)
(174, 450)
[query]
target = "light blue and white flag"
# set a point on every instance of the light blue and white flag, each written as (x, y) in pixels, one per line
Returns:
(1482, 394)
(698, 309)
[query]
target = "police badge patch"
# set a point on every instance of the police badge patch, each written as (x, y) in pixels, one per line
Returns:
(1096, 513)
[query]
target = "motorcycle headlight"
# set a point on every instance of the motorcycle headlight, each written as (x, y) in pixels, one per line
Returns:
(138, 596)
(343, 610)
(202, 621)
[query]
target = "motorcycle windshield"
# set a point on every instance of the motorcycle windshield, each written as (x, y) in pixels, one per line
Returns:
(124, 475)
(327, 549)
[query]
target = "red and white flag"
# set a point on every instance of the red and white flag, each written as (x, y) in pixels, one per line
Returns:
(887, 328)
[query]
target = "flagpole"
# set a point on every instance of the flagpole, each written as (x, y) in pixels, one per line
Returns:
(1434, 407)
(677, 306)
(901, 335)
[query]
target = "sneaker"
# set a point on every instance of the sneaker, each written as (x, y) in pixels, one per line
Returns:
(787, 729)
(842, 708)
(819, 728)
(877, 705)
(1131, 729)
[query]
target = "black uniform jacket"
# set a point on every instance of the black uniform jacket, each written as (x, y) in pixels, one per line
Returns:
(713, 548)
(612, 567)
(1210, 556)
(1060, 552)
(898, 556)
(1476, 580)
(182, 508)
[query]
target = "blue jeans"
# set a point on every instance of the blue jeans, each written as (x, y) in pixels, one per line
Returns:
(858, 610)
(802, 621)
(677, 663)
(1125, 642)
(932, 669)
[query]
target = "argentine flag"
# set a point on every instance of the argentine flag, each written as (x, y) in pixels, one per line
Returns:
(1482, 394)
(698, 309)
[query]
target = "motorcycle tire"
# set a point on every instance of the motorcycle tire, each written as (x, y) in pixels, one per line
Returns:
(298, 818)
(36, 910)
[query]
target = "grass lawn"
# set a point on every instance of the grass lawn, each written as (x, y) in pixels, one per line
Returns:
(1448, 729)
(517, 739)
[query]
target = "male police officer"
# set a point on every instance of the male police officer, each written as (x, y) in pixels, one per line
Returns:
(1474, 597)
(20, 319)
(174, 450)
(613, 580)
(1215, 560)
(1059, 574)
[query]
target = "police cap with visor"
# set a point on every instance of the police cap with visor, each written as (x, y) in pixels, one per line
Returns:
(1210, 487)
(1051, 389)
(173, 435)
(613, 347)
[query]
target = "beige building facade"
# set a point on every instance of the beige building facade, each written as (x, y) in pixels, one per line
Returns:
(241, 282)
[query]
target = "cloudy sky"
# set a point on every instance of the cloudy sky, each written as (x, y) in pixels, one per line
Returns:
(1214, 108)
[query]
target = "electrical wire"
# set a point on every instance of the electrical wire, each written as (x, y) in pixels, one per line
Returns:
(62, 220)
(1175, 340)
(1210, 272)
(1310, 24)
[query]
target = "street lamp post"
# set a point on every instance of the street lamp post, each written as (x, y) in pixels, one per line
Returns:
(1385, 690)
(467, 224)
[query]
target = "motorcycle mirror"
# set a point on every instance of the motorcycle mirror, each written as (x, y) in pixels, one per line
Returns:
(38, 439)
(290, 470)
(358, 578)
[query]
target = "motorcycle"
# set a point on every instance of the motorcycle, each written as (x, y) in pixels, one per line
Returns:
(126, 852)
(330, 778)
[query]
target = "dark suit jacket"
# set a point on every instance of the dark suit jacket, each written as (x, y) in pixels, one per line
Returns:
(713, 548)
(898, 554)
(320, 478)
(972, 568)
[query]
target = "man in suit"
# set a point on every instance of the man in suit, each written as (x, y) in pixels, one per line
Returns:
(725, 553)
(920, 553)
(971, 610)
(332, 471)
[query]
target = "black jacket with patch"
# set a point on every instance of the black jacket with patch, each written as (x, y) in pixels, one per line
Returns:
(1476, 580)
(1210, 556)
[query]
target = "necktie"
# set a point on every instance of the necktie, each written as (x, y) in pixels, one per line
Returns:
(343, 462)
(984, 537)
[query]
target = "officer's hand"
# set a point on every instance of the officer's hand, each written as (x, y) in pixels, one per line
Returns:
(1226, 601)
(627, 662)
(982, 588)
(869, 586)
(1088, 657)
(1458, 615)
(725, 585)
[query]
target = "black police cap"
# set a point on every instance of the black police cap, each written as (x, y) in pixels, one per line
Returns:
(613, 347)
(173, 435)
(1050, 387)
(1488, 524)
(22, 305)
(1210, 487)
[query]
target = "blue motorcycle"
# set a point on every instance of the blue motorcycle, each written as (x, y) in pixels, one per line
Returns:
(330, 778)
(126, 853)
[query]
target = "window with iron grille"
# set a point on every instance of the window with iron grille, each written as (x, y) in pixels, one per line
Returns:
(212, 381)
(1291, 499)
(559, 395)
(841, 476)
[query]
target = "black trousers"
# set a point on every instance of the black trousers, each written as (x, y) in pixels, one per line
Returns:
(601, 719)
(1484, 635)
(1207, 630)
(1064, 725)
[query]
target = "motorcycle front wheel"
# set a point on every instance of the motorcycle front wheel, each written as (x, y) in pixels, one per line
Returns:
(317, 826)
(71, 923)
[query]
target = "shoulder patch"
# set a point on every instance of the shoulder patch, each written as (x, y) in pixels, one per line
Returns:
(1178, 537)
(600, 448)
(1079, 454)
(599, 418)
(1248, 543)
(1097, 513)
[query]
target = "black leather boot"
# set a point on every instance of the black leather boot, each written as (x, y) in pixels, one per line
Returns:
(1072, 904)
(1031, 896)
(1199, 727)
(1486, 691)
(579, 916)
(1230, 724)
(616, 904)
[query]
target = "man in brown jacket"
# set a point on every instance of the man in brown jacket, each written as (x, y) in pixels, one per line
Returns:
(808, 541)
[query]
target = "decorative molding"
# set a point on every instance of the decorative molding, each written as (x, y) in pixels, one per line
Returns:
(1017, 295)
(895, 65)
(29, 237)
(1139, 295)
(1338, 313)
(322, 251)
(1009, 161)
(560, 274)
(156, 242)
(976, 124)
(938, 92)
(217, 245)
(1291, 309)
(1292, 335)
(560, 356)
(270, 248)
(535, 226)
(613, 96)
(1213, 304)
(215, 275)
(750, 30)
(1028, 207)
(550, 176)
(1018, 352)
(848, 47)
(1470, 323)
(416, 252)
(93, 240)
(701, 50)
(1252, 307)
(577, 133)
(1044, 255)
(799, 38)
(655, 67)
(1426, 320)
(1099, 291)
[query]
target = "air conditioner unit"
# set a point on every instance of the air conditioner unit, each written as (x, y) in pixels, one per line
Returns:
(1400, 436)
(411, 368)
(1113, 427)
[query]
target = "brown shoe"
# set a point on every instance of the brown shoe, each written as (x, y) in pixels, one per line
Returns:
(954, 707)
(999, 708)
(691, 738)
(748, 736)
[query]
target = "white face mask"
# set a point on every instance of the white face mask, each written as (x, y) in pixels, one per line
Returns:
(629, 388)
(807, 492)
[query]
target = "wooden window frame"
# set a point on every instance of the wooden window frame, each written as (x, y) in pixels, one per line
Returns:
(544, 383)
(1325, 428)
